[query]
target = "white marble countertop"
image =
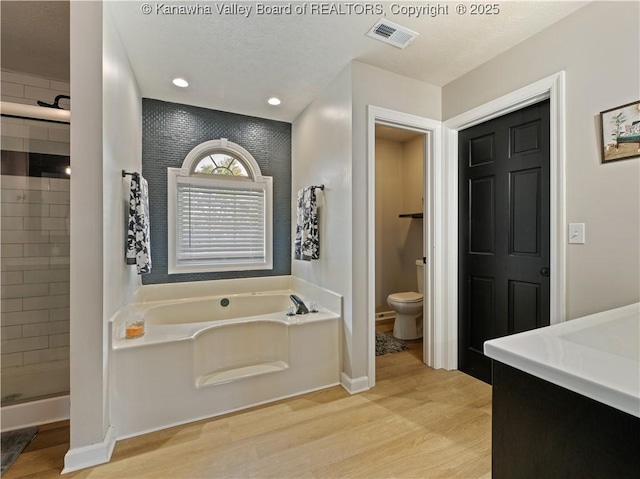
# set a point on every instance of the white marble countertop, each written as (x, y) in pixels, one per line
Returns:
(597, 356)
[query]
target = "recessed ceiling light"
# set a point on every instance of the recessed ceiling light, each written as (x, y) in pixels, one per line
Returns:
(274, 101)
(181, 82)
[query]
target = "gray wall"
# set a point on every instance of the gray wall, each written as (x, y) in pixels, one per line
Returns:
(170, 131)
(598, 48)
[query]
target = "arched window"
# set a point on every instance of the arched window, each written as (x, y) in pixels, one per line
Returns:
(219, 211)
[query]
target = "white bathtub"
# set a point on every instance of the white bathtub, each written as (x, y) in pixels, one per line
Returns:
(597, 356)
(200, 358)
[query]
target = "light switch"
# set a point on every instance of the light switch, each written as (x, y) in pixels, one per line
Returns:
(576, 233)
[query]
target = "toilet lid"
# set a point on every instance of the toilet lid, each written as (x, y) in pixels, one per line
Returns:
(409, 297)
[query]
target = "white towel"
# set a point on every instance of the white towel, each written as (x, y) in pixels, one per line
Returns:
(138, 239)
(307, 240)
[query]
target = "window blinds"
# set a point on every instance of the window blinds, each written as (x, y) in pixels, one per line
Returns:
(220, 224)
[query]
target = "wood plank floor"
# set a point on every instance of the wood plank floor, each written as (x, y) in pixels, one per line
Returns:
(417, 422)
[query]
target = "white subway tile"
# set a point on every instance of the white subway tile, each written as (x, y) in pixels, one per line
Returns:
(61, 249)
(57, 224)
(17, 99)
(10, 305)
(43, 94)
(46, 276)
(59, 211)
(59, 134)
(38, 133)
(24, 344)
(25, 317)
(11, 196)
(59, 184)
(56, 197)
(59, 288)
(48, 147)
(12, 223)
(12, 360)
(11, 182)
(59, 314)
(59, 237)
(11, 332)
(59, 262)
(35, 183)
(58, 340)
(45, 302)
(17, 209)
(25, 264)
(16, 131)
(12, 89)
(5, 120)
(12, 143)
(24, 291)
(25, 79)
(24, 237)
(11, 277)
(11, 250)
(59, 85)
(46, 355)
(45, 329)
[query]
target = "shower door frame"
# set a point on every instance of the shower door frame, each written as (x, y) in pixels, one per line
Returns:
(49, 409)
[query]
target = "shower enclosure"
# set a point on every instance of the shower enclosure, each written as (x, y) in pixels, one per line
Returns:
(34, 238)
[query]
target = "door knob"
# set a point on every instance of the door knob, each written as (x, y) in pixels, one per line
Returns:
(544, 272)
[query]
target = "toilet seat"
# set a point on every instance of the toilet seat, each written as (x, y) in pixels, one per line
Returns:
(409, 297)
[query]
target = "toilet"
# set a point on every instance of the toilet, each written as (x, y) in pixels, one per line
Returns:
(408, 308)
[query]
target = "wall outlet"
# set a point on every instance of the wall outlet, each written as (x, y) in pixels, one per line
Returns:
(576, 233)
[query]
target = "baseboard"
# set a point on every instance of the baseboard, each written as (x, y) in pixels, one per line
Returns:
(35, 413)
(384, 315)
(354, 386)
(88, 456)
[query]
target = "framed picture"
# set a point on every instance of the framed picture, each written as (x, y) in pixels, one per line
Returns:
(620, 129)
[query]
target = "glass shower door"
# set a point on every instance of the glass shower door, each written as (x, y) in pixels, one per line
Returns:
(34, 238)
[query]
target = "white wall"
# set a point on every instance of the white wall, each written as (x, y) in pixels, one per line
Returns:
(105, 138)
(598, 48)
(373, 86)
(321, 154)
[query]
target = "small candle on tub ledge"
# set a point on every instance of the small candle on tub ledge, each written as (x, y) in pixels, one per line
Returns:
(135, 328)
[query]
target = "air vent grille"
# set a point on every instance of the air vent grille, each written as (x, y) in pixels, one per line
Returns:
(392, 33)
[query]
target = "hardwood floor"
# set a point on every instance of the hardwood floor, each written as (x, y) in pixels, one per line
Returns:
(416, 422)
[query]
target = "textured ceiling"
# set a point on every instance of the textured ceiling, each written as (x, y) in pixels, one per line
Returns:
(35, 38)
(235, 62)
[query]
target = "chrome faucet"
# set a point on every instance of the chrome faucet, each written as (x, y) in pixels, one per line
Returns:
(301, 307)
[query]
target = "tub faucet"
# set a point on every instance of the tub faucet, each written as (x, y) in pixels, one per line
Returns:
(301, 307)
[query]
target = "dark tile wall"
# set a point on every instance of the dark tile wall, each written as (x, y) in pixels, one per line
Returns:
(170, 131)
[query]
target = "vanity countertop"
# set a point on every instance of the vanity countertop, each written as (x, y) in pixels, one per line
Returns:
(597, 356)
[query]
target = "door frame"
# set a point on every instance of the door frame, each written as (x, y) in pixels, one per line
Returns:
(552, 88)
(433, 194)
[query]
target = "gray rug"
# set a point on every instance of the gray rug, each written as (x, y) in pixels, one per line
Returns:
(13, 443)
(386, 344)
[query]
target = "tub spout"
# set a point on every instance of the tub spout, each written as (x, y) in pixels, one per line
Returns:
(301, 307)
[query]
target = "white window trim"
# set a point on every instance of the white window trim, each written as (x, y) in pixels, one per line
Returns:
(185, 174)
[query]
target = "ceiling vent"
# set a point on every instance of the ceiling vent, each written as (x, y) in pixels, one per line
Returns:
(392, 33)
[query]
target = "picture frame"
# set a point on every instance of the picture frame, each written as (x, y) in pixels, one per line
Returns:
(620, 132)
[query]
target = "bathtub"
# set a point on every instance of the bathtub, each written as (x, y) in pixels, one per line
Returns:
(205, 355)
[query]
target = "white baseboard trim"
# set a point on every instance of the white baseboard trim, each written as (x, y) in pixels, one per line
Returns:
(88, 456)
(354, 386)
(385, 315)
(35, 413)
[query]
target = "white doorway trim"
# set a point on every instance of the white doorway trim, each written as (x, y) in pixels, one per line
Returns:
(433, 195)
(552, 88)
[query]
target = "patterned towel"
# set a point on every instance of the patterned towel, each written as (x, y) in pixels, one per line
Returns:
(307, 242)
(138, 240)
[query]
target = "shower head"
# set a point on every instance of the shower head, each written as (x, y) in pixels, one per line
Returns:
(55, 102)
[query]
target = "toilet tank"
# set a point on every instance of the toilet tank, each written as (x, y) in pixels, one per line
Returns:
(420, 275)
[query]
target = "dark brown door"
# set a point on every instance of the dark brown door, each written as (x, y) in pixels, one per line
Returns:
(503, 232)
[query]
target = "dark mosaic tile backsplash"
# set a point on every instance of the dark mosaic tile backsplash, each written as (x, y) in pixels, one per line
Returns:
(170, 131)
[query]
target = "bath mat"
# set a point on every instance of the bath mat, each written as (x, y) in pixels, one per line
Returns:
(386, 344)
(13, 443)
